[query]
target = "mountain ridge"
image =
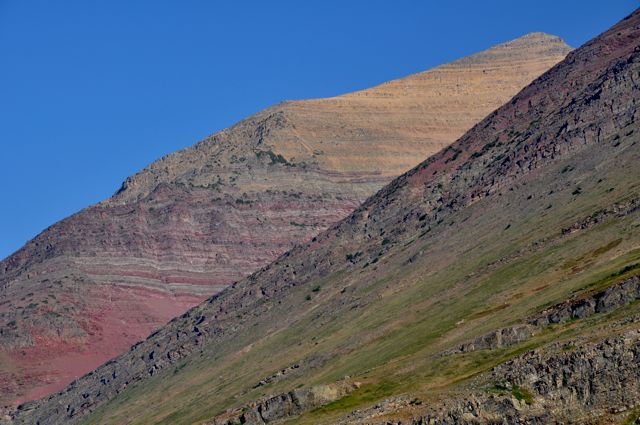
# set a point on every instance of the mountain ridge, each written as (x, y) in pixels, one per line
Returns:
(196, 221)
(382, 306)
(536, 45)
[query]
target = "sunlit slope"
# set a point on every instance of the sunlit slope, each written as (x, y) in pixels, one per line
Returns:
(535, 204)
(199, 219)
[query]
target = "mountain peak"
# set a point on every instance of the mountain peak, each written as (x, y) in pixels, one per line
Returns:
(537, 37)
(426, 111)
(526, 47)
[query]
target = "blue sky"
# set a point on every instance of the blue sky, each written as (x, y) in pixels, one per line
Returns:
(92, 91)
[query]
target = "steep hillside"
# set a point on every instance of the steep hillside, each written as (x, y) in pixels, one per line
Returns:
(519, 242)
(195, 221)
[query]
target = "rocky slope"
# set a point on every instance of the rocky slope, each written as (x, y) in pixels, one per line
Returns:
(529, 209)
(576, 381)
(197, 220)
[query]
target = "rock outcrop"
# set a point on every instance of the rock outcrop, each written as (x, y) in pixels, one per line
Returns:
(284, 406)
(499, 338)
(613, 297)
(572, 382)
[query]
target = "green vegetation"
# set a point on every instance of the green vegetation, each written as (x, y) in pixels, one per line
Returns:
(353, 257)
(590, 256)
(632, 418)
(498, 157)
(365, 394)
(456, 154)
(522, 394)
(486, 148)
(274, 158)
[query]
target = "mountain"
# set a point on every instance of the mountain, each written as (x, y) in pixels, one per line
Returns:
(495, 282)
(197, 220)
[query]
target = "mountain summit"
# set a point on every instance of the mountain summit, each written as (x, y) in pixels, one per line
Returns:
(494, 282)
(197, 220)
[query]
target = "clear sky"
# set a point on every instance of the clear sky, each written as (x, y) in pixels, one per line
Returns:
(92, 91)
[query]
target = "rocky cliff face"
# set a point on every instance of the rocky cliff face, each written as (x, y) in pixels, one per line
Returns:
(578, 381)
(284, 406)
(472, 239)
(199, 219)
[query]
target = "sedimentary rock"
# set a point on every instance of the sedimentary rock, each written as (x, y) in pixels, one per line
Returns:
(199, 219)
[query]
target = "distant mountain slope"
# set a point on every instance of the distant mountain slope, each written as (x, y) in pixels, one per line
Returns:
(197, 220)
(367, 136)
(524, 234)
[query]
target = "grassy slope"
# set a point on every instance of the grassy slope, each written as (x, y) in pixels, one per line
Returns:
(411, 311)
